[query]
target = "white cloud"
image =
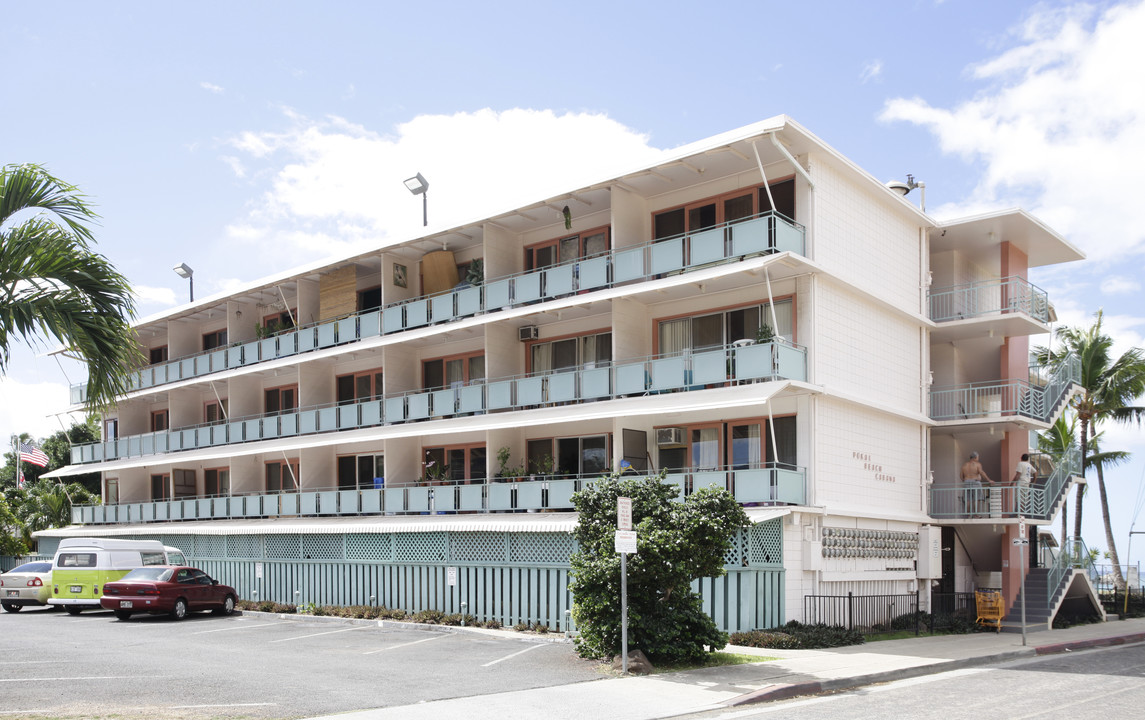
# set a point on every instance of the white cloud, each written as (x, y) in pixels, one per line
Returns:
(211, 87)
(235, 165)
(1058, 128)
(155, 295)
(1118, 285)
(337, 186)
(871, 70)
(21, 407)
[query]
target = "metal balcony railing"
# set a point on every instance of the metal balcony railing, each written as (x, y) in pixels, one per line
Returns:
(694, 370)
(1005, 500)
(762, 234)
(757, 484)
(989, 297)
(1039, 397)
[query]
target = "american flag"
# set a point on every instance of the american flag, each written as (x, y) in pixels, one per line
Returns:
(32, 454)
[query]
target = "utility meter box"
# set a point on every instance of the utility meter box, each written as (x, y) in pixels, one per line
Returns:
(930, 552)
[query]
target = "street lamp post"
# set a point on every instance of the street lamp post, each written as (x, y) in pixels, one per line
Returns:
(418, 185)
(184, 271)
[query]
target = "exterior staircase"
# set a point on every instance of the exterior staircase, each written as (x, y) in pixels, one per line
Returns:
(1049, 588)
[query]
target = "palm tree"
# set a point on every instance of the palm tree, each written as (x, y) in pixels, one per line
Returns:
(46, 504)
(52, 284)
(1057, 442)
(1109, 386)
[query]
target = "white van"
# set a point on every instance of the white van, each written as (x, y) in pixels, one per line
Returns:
(82, 566)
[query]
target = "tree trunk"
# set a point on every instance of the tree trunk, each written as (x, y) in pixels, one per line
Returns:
(1065, 520)
(1081, 488)
(1118, 578)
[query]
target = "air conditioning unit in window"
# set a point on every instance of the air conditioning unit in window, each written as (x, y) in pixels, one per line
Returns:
(669, 437)
(529, 332)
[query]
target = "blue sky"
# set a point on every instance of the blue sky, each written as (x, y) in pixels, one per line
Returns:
(208, 132)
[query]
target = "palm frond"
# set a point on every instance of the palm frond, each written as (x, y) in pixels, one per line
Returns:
(31, 187)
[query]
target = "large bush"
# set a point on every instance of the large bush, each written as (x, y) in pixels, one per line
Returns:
(677, 543)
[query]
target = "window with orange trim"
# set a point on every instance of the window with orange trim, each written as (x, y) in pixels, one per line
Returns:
(566, 249)
(453, 371)
(282, 475)
(160, 420)
(454, 463)
(359, 387)
(280, 400)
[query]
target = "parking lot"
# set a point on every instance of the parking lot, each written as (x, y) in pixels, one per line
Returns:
(59, 666)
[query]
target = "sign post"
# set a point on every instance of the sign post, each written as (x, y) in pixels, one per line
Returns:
(1021, 542)
(625, 543)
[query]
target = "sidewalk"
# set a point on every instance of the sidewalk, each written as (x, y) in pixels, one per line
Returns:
(796, 672)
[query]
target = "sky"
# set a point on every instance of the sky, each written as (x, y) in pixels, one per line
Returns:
(248, 138)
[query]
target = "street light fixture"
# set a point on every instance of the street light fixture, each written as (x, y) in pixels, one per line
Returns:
(184, 271)
(418, 185)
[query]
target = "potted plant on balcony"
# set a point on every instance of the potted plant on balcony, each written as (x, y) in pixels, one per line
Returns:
(764, 334)
(504, 470)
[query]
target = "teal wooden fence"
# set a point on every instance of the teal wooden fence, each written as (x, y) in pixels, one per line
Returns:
(512, 577)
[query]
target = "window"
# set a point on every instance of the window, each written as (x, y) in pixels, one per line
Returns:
(370, 299)
(359, 387)
(217, 481)
(280, 400)
(160, 420)
(158, 355)
(159, 486)
(215, 339)
(184, 482)
(723, 328)
(740, 444)
(582, 351)
(215, 412)
(728, 208)
(110, 429)
(566, 249)
(152, 558)
(277, 322)
(457, 463)
(586, 455)
(362, 472)
(72, 560)
(282, 475)
(453, 371)
(111, 493)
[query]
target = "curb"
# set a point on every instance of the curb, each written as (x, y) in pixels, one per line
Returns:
(554, 638)
(1094, 643)
(812, 687)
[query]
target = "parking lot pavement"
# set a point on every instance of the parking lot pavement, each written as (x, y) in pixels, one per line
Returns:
(60, 666)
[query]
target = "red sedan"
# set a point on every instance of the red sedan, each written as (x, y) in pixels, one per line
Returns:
(167, 589)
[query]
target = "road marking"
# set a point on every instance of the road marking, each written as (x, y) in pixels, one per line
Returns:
(244, 627)
(192, 707)
(328, 632)
(519, 652)
(29, 662)
(81, 677)
(415, 642)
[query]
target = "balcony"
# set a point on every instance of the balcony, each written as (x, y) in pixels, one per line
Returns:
(1040, 501)
(987, 298)
(653, 375)
(763, 234)
(1039, 398)
(766, 484)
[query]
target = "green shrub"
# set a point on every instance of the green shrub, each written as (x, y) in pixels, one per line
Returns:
(428, 617)
(522, 627)
(765, 639)
(817, 636)
(492, 625)
(678, 542)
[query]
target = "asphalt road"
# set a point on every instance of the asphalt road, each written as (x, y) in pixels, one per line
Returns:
(1104, 684)
(58, 666)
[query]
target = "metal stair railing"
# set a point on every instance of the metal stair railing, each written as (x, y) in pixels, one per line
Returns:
(1056, 383)
(1045, 495)
(1074, 555)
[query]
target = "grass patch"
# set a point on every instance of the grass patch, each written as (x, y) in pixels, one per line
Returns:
(716, 659)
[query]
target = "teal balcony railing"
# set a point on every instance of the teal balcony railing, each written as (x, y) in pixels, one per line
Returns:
(768, 484)
(990, 297)
(694, 370)
(766, 233)
(1039, 397)
(1006, 501)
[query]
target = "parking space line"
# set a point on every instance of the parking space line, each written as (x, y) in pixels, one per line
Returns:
(228, 705)
(328, 632)
(242, 627)
(519, 652)
(415, 642)
(82, 677)
(29, 662)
